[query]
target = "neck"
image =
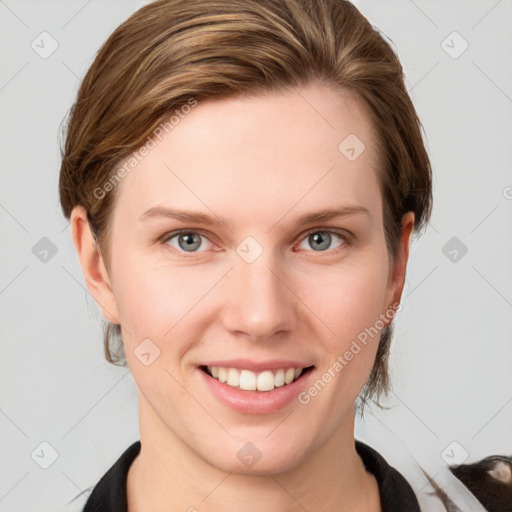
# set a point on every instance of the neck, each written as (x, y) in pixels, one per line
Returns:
(167, 476)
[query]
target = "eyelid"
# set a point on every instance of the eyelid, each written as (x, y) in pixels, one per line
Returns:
(345, 235)
(341, 233)
(171, 234)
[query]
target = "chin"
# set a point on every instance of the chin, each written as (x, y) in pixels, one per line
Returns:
(270, 464)
(262, 456)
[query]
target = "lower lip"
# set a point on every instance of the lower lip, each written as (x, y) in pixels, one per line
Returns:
(256, 402)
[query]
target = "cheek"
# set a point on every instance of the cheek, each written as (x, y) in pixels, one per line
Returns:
(350, 305)
(157, 301)
(348, 300)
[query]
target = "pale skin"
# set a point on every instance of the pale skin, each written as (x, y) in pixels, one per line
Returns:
(259, 163)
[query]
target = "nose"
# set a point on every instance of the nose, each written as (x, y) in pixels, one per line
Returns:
(259, 303)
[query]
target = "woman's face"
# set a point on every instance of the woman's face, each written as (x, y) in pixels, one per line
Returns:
(257, 283)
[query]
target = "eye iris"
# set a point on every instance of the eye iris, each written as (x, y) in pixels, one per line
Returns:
(322, 238)
(190, 240)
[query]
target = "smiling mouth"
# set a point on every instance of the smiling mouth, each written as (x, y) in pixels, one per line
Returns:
(247, 380)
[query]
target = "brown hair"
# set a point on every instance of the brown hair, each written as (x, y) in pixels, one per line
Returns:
(173, 50)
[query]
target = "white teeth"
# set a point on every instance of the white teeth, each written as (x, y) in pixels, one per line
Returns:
(289, 375)
(233, 377)
(279, 378)
(247, 380)
(222, 374)
(251, 381)
(266, 381)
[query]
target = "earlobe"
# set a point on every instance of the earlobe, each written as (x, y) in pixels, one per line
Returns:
(93, 268)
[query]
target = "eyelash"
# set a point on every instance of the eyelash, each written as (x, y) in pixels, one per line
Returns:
(343, 235)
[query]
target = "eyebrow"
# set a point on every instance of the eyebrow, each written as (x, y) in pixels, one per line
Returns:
(323, 215)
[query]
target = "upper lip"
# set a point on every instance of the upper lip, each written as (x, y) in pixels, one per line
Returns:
(258, 366)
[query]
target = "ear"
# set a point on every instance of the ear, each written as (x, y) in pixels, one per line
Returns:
(398, 268)
(93, 267)
(501, 471)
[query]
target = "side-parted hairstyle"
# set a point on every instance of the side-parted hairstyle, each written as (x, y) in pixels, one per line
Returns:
(173, 52)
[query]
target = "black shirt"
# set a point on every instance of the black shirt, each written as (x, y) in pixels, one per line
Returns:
(396, 495)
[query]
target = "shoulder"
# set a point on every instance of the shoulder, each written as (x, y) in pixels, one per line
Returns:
(411, 488)
(395, 492)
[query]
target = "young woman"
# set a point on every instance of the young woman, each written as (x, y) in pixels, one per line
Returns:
(242, 178)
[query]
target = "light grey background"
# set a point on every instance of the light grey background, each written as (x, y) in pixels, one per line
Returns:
(452, 355)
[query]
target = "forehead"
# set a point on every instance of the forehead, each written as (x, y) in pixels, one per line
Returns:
(261, 156)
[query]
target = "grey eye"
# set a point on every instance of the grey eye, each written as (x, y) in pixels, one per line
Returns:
(189, 241)
(321, 240)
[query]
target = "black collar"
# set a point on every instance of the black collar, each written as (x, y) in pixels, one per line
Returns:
(395, 492)
(109, 495)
